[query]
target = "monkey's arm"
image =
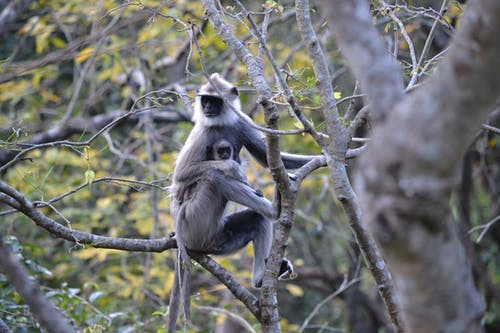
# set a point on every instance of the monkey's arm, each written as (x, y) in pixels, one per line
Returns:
(242, 193)
(191, 173)
(256, 145)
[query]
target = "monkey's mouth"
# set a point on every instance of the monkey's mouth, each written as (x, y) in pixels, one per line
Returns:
(211, 114)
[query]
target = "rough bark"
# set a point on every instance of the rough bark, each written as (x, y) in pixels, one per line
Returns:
(408, 172)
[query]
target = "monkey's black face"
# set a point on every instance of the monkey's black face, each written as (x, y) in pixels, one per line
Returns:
(224, 153)
(212, 106)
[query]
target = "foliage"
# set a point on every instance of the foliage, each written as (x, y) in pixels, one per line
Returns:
(64, 64)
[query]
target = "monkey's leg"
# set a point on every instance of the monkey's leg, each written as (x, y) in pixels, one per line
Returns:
(239, 229)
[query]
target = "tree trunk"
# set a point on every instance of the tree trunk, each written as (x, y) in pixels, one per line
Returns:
(407, 174)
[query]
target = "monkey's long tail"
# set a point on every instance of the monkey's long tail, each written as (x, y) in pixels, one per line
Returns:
(173, 305)
(181, 287)
(179, 221)
(180, 291)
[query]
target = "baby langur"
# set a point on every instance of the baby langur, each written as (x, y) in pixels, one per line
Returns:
(223, 151)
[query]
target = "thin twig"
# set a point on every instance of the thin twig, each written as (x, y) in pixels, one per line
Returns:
(41, 204)
(485, 227)
(491, 128)
(343, 287)
(308, 126)
(413, 56)
(132, 111)
(231, 315)
(430, 36)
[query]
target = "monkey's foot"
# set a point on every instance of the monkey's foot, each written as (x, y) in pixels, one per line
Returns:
(286, 273)
(286, 270)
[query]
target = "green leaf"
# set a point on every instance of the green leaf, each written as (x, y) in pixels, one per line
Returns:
(89, 177)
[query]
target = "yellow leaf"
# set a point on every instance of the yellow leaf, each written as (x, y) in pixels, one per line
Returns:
(149, 32)
(35, 80)
(84, 54)
(109, 4)
(455, 10)
(57, 42)
(42, 38)
(298, 262)
(295, 290)
(49, 96)
(14, 89)
(226, 263)
(30, 25)
(492, 143)
(169, 282)
(105, 74)
(103, 202)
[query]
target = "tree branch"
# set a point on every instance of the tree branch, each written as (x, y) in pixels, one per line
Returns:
(337, 152)
(240, 292)
(361, 44)
(270, 316)
(17, 200)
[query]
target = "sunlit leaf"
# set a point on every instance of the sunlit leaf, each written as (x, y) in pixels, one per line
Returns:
(84, 54)
(57, 42)
(89, 177)
(295, 290)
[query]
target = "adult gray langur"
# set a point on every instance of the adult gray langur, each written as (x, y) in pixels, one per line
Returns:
(207, 175)
(216, 121)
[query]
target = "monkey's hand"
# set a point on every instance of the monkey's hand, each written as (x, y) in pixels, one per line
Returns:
(258, 193)
(228, 167)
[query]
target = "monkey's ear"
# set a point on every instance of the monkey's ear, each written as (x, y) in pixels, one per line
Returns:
(234, 91)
